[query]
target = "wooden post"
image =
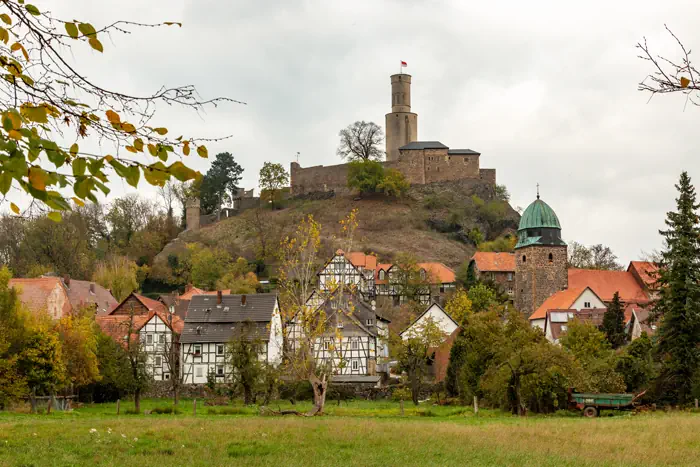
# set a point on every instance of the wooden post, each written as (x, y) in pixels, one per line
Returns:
(696, 403)
(195, 408)
(118, 406)
(476, 406)
(401, 407)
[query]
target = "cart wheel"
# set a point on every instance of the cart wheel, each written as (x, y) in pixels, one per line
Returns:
(590, 412)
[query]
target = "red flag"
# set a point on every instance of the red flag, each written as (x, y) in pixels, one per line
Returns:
(403, 63)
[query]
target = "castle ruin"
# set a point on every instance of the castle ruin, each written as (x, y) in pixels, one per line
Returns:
(421, 162)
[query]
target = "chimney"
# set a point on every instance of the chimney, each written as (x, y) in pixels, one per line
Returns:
(92, 288)
(243, 300)
(188, 287)
(66, 280)
(219, 297)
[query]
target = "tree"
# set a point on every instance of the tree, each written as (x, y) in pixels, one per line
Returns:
(408, 279)
(482, 297)
(220, 184)
(459, 307)
(44, 91)
(13, 384)
(614, 323)
(77, 333)
(361, 141)
(413, 353)
(365, 175)
(240, 279)
(118, 275)
(208, 266)
(594, 257)
(502, 193)
(393, 184)
(244, 357)
(466, 274)
(678, 303)
(636, 364)
(137, 379)
(41, 362)
(272, 178)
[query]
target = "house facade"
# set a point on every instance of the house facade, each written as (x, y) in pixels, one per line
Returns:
(437, 315)
(570, 300)
(497, 268)
(213, 321)
(557, 321)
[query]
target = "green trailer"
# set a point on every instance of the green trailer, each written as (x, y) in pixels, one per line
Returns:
(591, 403)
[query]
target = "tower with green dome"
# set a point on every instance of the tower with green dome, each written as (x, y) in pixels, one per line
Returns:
(540, 257)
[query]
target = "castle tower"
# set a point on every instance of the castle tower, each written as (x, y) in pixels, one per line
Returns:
(192, 214)
(540, 257)
(401, 123)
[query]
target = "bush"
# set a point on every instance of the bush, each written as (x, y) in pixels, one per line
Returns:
(166, 410)
(394, 183)
(401, 394)
(365, 176)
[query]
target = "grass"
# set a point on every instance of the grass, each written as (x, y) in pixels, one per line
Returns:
(357, 433)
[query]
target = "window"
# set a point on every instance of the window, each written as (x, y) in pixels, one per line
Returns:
(524, 258)
(161, 338)
(563, 327)
(510, 290)
(159, 360)
(586, 304)
(354, 345)
(340, 324)
(355, 365)
(219, 349)
(198, 372)
(551, 258)
(166, 376)
(326, 345)
(149, 338)
(370, 322)
(510, 277)
(219, 370)
(197, 350)
(381, 275)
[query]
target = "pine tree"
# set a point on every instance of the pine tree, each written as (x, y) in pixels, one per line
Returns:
(614, 323)
(678, 305)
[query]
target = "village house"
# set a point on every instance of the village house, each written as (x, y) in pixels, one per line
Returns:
(571, 299)
(639, 322)
(497, 268)
(557, 321)
(215, 320)
(156, 329)
(178, 304)
(355, 342)
(437, 315)
(61, 296)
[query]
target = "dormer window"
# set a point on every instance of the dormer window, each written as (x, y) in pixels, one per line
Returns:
(381, 274)
(340, 324)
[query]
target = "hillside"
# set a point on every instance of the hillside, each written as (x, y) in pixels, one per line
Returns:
(433, 222)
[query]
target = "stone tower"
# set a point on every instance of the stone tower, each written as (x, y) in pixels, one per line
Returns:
(401, 123)
(192, 214)
(540, 257)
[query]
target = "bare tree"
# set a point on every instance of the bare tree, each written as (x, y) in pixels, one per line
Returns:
(596, 256)
(361, 141)
(670, 75)
(169, 196)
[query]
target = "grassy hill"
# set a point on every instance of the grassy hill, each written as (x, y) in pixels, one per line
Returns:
(435, 222)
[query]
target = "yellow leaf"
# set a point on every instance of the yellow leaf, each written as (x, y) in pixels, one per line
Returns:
(684, 82)
(14, 134)
(138, 144)
(96, 44)
(14, 208)
(170, 23)
(202, 151)
(55, 216)
(37, 178)
(72, 30)
(78, 201)
(128, 128)
(35, 114)
(4, 35)
(113, 117)
(131, 149)
(152, 150)
(6, 18)
(161, 131)
(87, 29)
(186, 148)
(109, 158)
(74, 149)
(15, 119)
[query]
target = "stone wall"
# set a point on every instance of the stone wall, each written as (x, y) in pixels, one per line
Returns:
(318, 179)
(488, 175)
(537, 277)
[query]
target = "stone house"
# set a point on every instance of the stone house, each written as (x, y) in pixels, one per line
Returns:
(215, 320)
(497, 268)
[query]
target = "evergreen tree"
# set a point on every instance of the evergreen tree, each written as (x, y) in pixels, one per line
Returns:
(678, 305)
(614, 323)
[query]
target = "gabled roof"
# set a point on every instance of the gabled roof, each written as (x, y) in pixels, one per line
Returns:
(557, 319)
(645, 272)
(362, 260)
(424, 312)
(562, 300)
(487, 261)
(34, 293)
(148, 303)
(117, 326)
(424, 145)
(439, 272)
(197, 291)
(232, 309)
(606, 283)
(81, 293)
(641, 315)
(177, 302)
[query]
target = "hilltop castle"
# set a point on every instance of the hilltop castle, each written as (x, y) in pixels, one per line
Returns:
(421, 162)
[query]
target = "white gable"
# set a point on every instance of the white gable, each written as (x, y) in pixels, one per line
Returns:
(587, 299)
(438, 316)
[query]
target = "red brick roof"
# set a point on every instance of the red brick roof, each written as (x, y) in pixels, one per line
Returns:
(644, 271)
(494, 262)
(561, 300)
(35, 293)
(606, 283)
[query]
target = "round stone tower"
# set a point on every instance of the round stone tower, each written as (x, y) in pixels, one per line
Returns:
(192, 214)
(540, 257)
(401, 123)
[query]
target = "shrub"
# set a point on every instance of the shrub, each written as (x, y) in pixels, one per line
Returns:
(401, 394)
(394, 183)
(365, 176)
(166, 410)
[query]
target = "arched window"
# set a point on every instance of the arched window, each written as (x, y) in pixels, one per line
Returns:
(524, 258)
(551, 258)
(381, 274)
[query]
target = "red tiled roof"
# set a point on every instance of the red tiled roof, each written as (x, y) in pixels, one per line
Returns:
(117, 326)
(197, 291)
(494, 262)
(34, 293)
(644, 270)
(606, 283)
(361, 260)
(150, 304)
(438, 272)
(561, 300)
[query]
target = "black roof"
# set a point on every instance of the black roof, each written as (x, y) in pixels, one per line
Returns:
(424, 145)
(257, 308)
(463, 152)
(194, 333)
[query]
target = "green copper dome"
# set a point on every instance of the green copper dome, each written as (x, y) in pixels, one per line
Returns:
(539, 225)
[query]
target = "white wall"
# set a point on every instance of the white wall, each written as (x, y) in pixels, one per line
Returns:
(439, 317)
(158, 331)
(276, 343)
(587, 296)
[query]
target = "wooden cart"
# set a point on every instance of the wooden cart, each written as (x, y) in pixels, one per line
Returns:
(591, 403)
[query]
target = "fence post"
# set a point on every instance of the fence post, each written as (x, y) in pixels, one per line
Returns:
(476, 406)
(696, 403)
(402, 407)
(195, 408)
(118, 406)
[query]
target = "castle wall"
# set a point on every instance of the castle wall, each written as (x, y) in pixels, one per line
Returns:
(318, 178)
(488, 175)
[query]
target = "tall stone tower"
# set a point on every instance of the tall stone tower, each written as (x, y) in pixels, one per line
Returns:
(540, 257)
(192, 214)
(401, 123)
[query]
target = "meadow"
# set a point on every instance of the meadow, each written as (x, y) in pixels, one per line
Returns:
(355, 433)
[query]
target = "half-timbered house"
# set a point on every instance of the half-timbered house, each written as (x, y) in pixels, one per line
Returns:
(215, 320)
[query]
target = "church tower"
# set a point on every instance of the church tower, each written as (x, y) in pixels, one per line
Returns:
(401, 123)
(540, 257)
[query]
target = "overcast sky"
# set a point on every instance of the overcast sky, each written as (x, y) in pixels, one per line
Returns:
(546, 91)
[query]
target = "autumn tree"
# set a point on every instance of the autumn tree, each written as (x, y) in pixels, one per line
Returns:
(459, 306)
(361, 141)
(77, 333)
(239, 279)
(48, 99)
(365, 175)
(244, 358)
(273, 177)
(409, 280)
(118, 275)
(220, 184)
(137, 379)
(13, 384)
(209, 265)
(41, 362)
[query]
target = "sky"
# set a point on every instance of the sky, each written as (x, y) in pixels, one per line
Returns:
(546, 91)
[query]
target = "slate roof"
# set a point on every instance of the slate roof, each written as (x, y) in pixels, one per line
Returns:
(222, 332)
(197, 291)
(593, 316)
(487, 261)
(181, 305)
(80, 294)
(462, 152)
(424, 145)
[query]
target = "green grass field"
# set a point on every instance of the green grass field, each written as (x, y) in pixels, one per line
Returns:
(358, 433)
